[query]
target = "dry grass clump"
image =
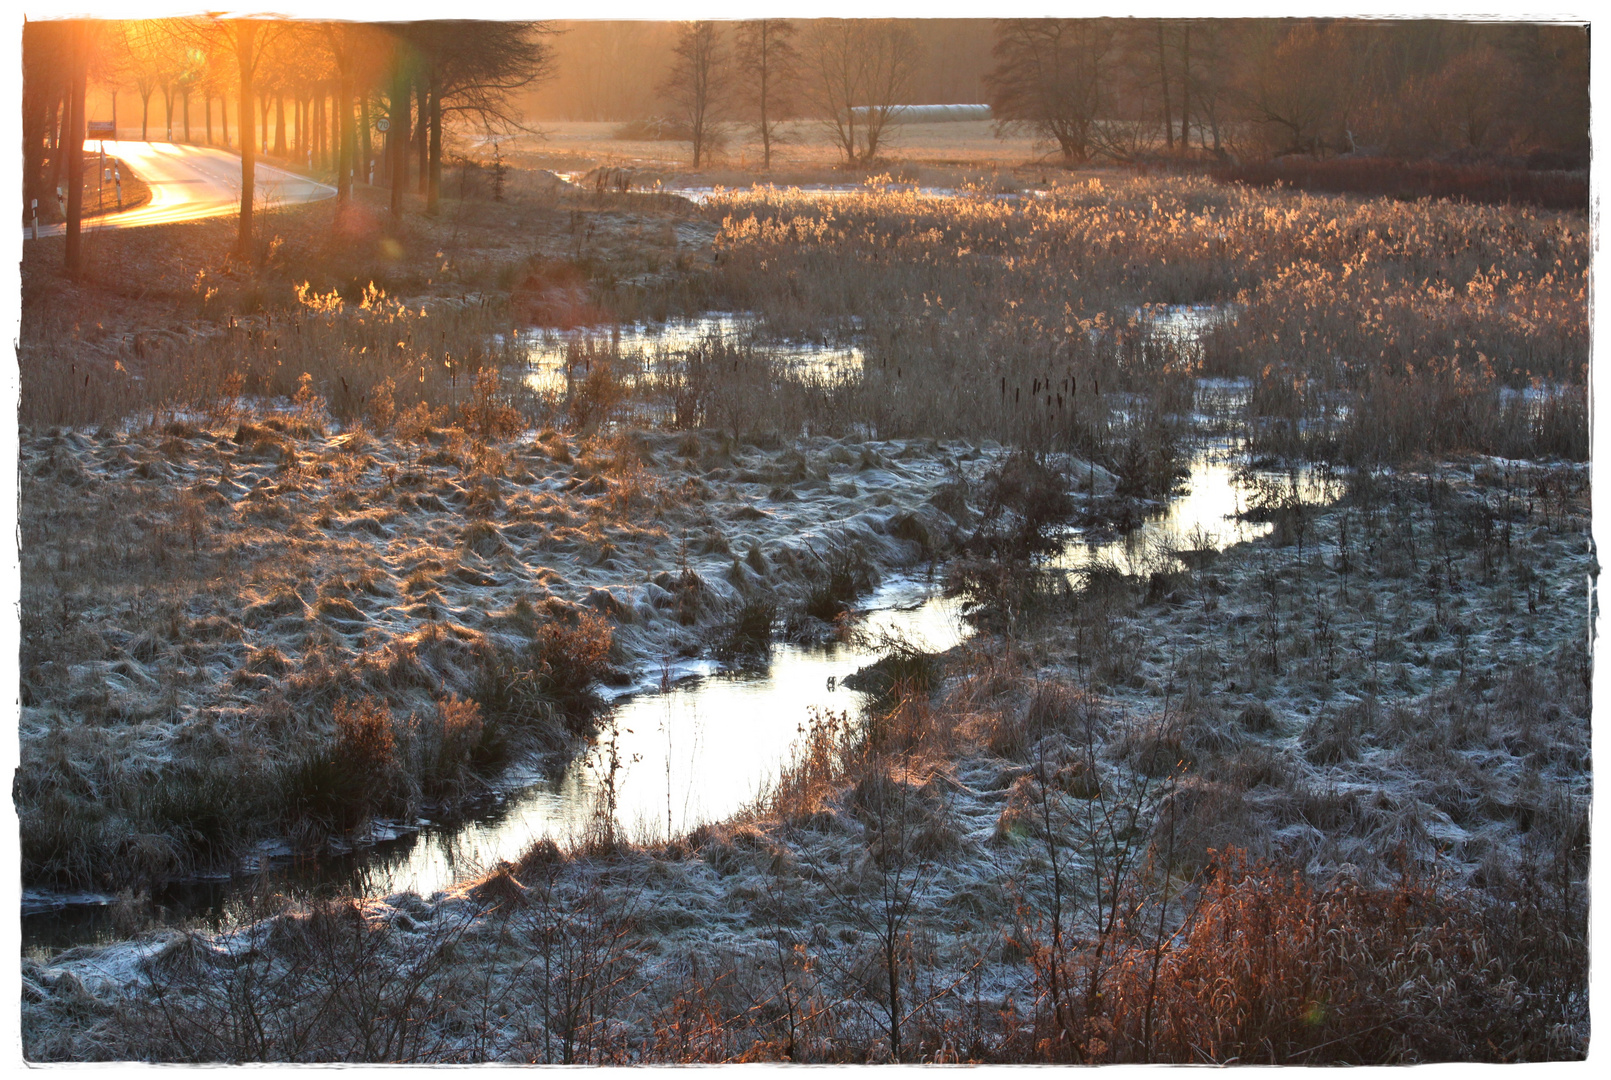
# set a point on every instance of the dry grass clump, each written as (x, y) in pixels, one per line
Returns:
(370, 356)
(1052, 708)
(571, 658)
(749, 632)
(552, 679)
(1267, 968)
(338, 788)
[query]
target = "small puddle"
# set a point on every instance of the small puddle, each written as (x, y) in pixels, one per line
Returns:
(1210, 513)
(555, 359)
(701, 195)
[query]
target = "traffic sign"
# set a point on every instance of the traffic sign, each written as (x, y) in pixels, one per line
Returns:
(383, 125)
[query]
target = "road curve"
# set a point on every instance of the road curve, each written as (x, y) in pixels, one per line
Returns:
(189, 183)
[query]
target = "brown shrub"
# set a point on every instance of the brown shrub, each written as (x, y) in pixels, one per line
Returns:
(1269, 969)
(488, 414)
(365, 741)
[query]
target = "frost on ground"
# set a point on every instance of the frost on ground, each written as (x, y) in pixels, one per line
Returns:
(201, 601)
(1389, 694)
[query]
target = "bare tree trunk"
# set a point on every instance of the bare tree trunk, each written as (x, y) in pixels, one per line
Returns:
(1163, 81)
(185, 95)
(344, 137)
(279, 124)
(74, 138)
(320, 142)
(145, 116)
(245, 39)
(433, 197)
(207, 104)
(61, 114)
(263, 104)
(366, 169)
(766, 74)
(397, 137)
(1185, 88)
(38, 120)
(33, 142)
(422, 141)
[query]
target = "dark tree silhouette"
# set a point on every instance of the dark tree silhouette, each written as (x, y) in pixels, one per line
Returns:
(80, 39)
(1053, 76)
(45, 49)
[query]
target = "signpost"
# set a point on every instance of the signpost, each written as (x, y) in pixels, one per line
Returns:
(101, 130)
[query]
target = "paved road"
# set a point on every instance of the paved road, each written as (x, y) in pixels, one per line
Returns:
(189, 183)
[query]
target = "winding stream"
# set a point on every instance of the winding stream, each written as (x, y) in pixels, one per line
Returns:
(695, 743)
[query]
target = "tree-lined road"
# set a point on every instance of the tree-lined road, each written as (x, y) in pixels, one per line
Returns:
(189, 183)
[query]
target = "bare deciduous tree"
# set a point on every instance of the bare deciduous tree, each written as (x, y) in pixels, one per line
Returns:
(1053, 75)
(767, 58)
(698, 83)
(854, 74)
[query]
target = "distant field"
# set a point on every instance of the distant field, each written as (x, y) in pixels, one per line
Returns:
(964, 143)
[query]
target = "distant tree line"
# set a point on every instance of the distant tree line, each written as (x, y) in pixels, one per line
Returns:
(324, 90)
(1132, 89)
(1113, 89)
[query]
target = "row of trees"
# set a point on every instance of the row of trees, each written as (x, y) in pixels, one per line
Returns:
(340, 81)
(612, 71)
(850, 73)
(1268, 87)
(1126, 89)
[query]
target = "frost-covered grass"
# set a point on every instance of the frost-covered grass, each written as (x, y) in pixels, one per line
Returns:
(1360, 742)
(201, 599)
(1242, 832)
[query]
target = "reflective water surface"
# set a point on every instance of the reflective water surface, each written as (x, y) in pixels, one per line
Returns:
(699, 743)
(557, 358)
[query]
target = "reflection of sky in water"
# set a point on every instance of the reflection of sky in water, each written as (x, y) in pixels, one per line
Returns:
(650, 347)
(1185, 322)
(698, 753)
(706, 748)
(1206, 515)
(703, 750)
